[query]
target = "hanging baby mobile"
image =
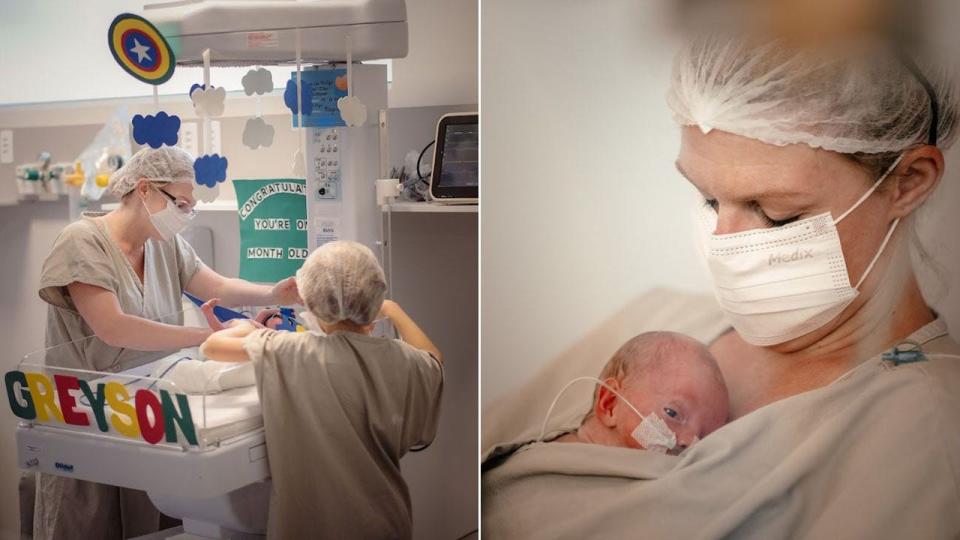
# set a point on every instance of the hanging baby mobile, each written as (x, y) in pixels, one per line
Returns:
(297, 98)
(142, 51)
(209, 169)
(326, 99)
(257, 132)
(352, 110)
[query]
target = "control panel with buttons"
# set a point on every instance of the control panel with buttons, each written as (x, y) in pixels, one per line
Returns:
(326, 164)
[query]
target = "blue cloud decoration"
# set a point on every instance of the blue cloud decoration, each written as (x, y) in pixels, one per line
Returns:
(156, 131)
(210, 170)
(290, 97)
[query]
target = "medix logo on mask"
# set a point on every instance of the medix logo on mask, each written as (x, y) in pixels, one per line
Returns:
(798, 254)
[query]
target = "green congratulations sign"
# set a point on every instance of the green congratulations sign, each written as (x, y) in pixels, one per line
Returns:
(273, 227)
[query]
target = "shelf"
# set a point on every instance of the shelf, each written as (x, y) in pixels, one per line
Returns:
(428, 207)
(412, 207)
(215, 206)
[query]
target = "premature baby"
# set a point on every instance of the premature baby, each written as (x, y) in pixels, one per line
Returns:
(662, 391)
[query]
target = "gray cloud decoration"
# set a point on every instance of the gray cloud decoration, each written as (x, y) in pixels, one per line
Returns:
(257, 81)
(257, 133)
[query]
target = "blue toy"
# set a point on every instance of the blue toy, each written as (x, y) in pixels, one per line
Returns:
(288, 322)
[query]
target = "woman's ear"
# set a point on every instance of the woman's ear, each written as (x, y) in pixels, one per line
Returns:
(143, 186)
(915, 178)
(606, 401)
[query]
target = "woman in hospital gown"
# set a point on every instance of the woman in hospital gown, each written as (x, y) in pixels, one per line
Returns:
(119, 277)
(827, 438)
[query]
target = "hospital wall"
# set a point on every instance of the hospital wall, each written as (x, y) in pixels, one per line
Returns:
(583, 208)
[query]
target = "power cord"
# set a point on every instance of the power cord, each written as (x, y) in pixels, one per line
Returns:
(419, 159)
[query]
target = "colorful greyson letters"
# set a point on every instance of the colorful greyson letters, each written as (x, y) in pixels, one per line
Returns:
(33, 396)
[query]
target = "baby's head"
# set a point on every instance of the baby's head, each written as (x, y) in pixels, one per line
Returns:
(663, 373)
(342, 286)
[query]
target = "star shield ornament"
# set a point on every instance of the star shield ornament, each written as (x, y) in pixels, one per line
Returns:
(140, 49)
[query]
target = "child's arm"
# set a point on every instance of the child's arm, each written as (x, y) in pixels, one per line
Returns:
(409, 331)
(227, 344)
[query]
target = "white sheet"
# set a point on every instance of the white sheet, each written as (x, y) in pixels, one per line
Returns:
(187, 375)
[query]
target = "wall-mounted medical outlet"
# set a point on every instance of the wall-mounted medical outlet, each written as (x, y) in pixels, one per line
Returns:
(6, 146)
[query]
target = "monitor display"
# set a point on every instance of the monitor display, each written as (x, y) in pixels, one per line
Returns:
(459, 164)
(456, 161)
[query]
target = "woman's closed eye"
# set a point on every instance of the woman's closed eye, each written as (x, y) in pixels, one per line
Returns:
(769, 221)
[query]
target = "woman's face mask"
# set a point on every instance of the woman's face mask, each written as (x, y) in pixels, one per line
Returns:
(780, 283)
(172, 219)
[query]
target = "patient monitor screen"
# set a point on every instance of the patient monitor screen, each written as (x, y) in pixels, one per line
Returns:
(459, 162)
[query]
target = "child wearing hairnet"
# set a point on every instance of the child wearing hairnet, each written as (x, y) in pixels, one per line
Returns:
(340, 409)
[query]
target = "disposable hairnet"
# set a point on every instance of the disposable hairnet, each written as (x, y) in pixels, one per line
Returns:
(164, 164)
(863, 99)
(342, 281)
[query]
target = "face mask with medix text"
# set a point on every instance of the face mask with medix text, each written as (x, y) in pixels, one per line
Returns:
(781, 283)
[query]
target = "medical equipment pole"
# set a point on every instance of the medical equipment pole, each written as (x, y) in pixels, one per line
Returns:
(384, 158)
(301, 153)
(207, 142)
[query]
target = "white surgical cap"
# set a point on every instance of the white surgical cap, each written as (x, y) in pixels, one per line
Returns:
(164, 164)
(342, 281)
(864, 99)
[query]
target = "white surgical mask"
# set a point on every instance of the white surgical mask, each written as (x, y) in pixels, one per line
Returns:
(170, 221)
(651, 433)
(781, 283)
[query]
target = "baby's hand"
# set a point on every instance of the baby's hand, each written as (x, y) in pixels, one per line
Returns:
(212, 320)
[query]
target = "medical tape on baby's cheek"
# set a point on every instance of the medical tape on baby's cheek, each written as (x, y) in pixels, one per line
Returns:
(653, 434)
(659, 434)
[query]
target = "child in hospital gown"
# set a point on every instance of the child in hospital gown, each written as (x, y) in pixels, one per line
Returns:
(340, 409)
